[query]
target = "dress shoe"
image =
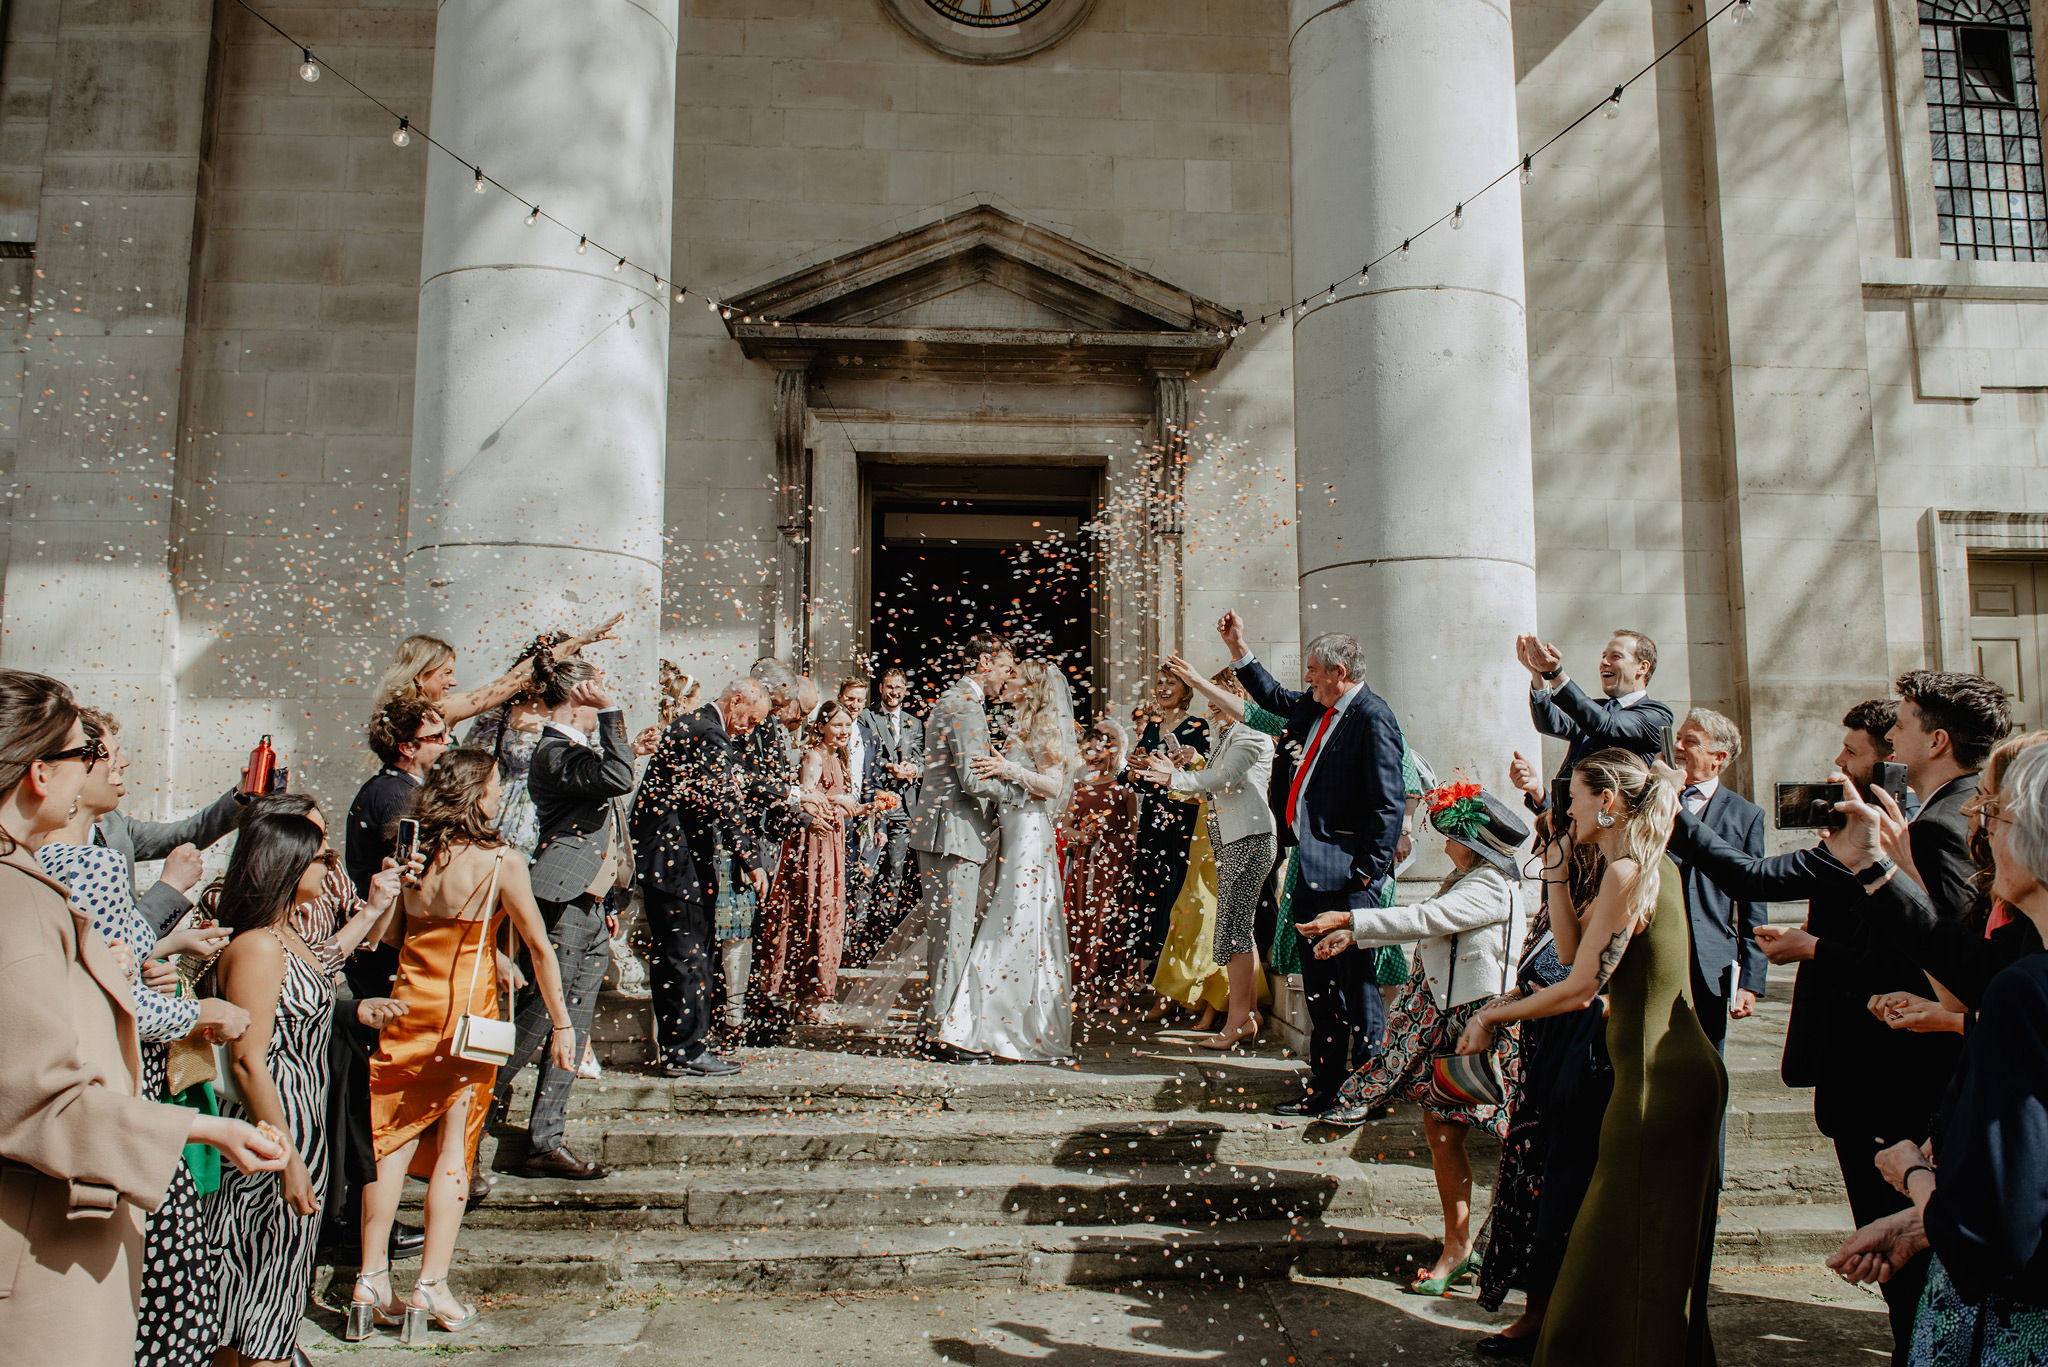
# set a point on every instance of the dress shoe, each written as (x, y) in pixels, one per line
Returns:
(1501, 1346)
(1349, 1115)
(406, 1240)
(1313, 1104)
(479, 1189)
(702, 1064)
(939, 1052)
(562, 1164)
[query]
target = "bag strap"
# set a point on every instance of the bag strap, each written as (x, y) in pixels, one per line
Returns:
(490, 905)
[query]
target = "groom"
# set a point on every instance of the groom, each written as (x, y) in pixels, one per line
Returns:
(953, 828)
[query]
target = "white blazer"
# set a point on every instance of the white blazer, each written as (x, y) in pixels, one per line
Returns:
(1235, 778)
(1469, 933)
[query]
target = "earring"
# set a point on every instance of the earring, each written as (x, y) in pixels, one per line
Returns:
(1606, 820)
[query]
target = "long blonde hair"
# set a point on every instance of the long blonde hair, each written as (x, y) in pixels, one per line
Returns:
(1046, 736)
(417, 656)
(1650, 805)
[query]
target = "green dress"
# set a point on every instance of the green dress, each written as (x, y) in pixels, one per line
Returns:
(1633, 1288)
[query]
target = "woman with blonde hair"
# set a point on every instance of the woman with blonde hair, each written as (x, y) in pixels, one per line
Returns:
(1016, 1000)
(1644, 1239)
(425, 668)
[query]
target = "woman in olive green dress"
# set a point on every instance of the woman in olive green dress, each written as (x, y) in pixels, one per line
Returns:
(1633, 1289)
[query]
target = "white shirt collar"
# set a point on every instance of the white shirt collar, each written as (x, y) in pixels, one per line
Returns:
(1706, 788)
(571, 732)
(1345, 700)
(1631, 699)
(973, 687)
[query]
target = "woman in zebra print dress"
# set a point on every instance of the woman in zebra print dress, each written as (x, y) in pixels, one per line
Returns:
(264, 1228)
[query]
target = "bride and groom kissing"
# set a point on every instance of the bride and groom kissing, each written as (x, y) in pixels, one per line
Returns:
(984, 832)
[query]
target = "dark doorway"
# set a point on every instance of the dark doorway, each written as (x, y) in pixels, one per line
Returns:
(1002, 549)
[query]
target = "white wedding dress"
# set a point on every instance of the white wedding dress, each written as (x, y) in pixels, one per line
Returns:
(1016, 997)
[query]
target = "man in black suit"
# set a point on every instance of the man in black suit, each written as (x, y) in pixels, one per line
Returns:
(1723, 943)
(688, 808)
(572, 784)
(1625, 717)
(896, 739)
(1337, 792)
(1873, 1086)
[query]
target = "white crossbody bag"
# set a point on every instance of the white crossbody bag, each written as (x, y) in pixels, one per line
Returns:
(480, 1038)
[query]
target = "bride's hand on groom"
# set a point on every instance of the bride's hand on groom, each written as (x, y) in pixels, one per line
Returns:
(988, 766)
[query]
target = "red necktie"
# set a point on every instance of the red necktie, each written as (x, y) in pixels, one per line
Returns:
(1301, 771)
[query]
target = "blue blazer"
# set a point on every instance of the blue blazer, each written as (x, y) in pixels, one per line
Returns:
(1353, 805)
(1590, 725)
(1721, 924)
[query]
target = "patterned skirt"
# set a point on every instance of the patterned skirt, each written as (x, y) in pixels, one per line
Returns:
(1417, 1029)
(1995, 1332)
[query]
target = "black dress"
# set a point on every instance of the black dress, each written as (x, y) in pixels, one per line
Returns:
(1166, 828)
(1554, 1116)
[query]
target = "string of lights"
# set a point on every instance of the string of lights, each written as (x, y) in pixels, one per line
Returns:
(1610, 106)
(405, 129)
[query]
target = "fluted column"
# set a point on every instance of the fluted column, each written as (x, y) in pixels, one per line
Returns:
(541, 410)
(792, 512)
(1412, 391)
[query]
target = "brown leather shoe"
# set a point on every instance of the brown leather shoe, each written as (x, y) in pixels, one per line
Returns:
(479, 1188)
(561, 1163)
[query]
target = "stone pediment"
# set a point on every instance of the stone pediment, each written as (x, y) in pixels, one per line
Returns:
(980, 286)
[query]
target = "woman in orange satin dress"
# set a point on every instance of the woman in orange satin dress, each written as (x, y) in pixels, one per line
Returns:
(427, 1105)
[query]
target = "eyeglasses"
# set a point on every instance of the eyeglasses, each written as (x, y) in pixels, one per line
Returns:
(92, 752)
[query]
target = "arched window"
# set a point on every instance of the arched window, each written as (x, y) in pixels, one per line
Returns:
(1981, 110)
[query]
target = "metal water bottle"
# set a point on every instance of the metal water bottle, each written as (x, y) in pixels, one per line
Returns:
(262, 763)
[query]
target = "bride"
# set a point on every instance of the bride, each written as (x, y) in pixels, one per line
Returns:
(1015, 999)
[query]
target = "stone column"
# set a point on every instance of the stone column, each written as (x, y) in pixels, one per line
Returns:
(542, 404)
(1170, 424)
(1412, 392)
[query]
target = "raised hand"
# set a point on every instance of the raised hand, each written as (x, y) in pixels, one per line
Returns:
(1230, 627)
(1523, 775)
(182, 868)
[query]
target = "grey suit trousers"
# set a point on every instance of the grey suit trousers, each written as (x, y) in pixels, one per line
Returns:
(952, 900)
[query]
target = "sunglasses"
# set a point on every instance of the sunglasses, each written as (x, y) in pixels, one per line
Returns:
(92, 752)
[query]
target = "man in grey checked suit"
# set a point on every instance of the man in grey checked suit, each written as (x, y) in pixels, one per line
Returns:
(574, 864)
(166, 903)
(953, 830)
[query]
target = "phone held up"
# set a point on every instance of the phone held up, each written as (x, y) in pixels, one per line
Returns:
(1810, 806)
(408, 841)
(1892, 779)
(1669, 745)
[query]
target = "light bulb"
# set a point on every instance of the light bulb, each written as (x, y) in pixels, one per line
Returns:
(680, 294)
(399, 137)
(1614, 103)
(1743, 10)
(1404, 249)
(618, 265)
(533, 217)
(479, 180)
(1331, 297)
(725, 314)
(309, 70)
(583, 245)
(1527, 167)
(1457, 218)
(1364, 276)
(711, 304)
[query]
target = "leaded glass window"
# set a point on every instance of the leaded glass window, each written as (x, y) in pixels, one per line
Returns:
(1981, 110)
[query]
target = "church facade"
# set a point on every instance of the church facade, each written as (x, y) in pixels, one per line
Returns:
(971, 335)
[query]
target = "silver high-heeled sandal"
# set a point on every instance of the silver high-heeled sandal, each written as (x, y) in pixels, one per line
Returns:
(363, 1316)
(418, 1316)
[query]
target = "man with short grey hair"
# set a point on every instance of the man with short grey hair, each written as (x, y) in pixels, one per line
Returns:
(1728, 965)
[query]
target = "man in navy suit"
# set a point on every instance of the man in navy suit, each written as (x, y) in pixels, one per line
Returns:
(1626, 717)
(1722, 926)
(1337, 792)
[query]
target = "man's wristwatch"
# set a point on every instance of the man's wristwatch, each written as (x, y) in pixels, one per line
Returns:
(1877, 873)
(1551, 675)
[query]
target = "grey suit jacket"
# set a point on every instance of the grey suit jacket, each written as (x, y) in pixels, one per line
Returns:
(572, 787)
(954, 808)
(145, 840)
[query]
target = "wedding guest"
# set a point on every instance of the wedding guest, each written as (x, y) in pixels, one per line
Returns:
(407, 736)
(1100, 828)
(1186, 974)
(511, 731)
(574, 779)
(177, 843)
(864, 836)
(84, 1158)
(1625, 718)
(1644, 1237)
(427, 1099)
(424, 667)
(1344, 816)
(678, 692)
(265, 1229)
(1241, 831)
(898, 738)
(1167, 826)
(1978, 1192)
(802, 925)
(1729, 967)
(686, 816)
(173, 1326)
(1466, 937)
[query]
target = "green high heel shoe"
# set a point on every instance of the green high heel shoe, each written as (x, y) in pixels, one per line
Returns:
(1467, 1269)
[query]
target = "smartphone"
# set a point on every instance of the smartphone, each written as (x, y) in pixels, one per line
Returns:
(1810, 806)
(1668, 743)
(1892, 778)
(408, 840)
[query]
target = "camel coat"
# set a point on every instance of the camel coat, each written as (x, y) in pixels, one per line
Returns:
(81, 1155)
